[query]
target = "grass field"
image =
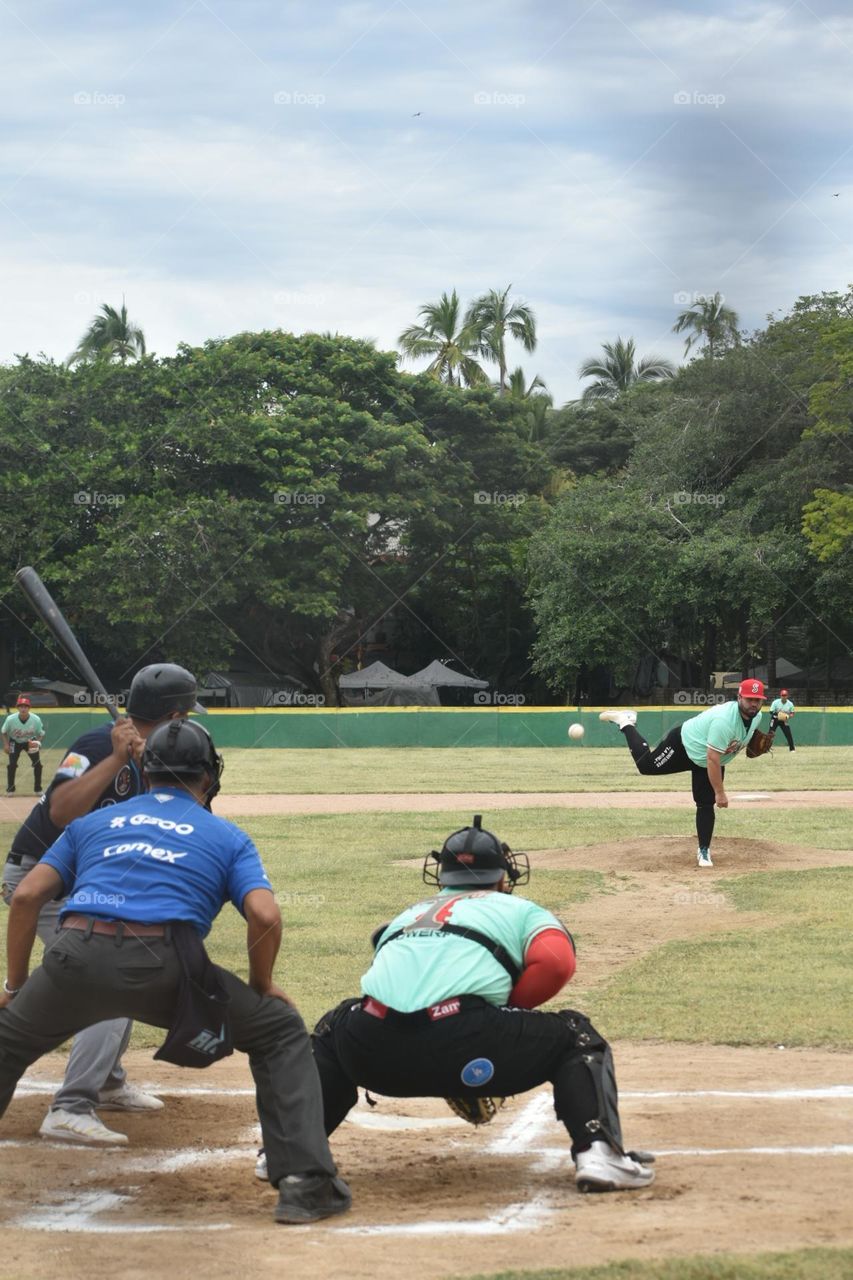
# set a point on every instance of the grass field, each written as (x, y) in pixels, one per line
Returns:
(780, 977)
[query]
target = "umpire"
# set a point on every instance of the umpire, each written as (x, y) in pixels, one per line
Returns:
(448, 1010)
(139, 879)
(99, 770)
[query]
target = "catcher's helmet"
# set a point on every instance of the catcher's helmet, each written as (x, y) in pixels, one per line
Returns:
(161, 689)
(473, 857)
(183, 749)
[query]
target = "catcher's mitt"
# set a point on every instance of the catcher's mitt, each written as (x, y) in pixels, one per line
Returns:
(759, 744)
(475, 1110)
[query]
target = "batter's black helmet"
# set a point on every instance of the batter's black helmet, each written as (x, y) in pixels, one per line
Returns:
(182, 749)
(161, 689)
(473, 857)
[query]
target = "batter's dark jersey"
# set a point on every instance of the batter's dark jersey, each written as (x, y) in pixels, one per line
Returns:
(38, 833)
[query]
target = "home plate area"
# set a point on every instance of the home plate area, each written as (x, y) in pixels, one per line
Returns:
(747, 1142)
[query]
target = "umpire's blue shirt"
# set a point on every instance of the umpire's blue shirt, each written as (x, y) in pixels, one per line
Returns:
(161, 856)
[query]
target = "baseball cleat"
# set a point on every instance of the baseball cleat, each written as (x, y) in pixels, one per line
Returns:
(128, 1097)
(603, 1169)
(261, 1172)
(703, 856)
(620, 718)
(85, 1129)
(310, 1199)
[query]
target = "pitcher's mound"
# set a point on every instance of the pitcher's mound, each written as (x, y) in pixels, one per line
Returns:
(677, 854)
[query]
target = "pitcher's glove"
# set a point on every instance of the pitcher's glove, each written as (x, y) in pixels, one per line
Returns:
(759, 744)
(475, 1110)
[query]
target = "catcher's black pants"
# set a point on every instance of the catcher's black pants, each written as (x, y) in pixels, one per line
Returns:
(669, 756)
(16, 750)
(410, 1056)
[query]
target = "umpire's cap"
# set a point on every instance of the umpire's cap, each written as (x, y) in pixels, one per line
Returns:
(159, 690)
(473, 857)
(182, 749)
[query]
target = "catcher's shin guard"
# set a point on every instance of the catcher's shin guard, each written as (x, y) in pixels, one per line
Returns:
(594, 1053)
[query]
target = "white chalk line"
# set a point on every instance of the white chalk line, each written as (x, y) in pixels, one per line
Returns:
(76, 1212)
(31, 1088)
(514, 1217)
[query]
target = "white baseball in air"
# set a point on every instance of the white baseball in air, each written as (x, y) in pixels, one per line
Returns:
(576, 731)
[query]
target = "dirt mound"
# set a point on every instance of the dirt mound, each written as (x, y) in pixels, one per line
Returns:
(677, 855)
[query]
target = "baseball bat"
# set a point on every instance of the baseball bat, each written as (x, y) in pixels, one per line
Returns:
(54, 619)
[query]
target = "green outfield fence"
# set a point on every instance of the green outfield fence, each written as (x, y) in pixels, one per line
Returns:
(443, 726)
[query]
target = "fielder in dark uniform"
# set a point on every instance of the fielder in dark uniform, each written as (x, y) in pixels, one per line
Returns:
(133, 874)
(702, 747)
(448, 1010)
(99, 770)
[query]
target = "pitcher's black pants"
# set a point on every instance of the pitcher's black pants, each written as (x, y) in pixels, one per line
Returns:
(669, 756)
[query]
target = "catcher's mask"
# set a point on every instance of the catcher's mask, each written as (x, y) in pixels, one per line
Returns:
(472, 858)
(183, 749)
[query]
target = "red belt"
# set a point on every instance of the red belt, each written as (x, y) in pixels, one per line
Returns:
(112, 927)
(433, 1013)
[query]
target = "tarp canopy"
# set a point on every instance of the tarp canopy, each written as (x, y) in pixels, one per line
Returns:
(785, 670)
(404, 695)
(376, 676)
(437, 675)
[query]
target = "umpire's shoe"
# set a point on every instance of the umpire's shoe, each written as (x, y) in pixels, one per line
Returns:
(603, 1169)
(303, 1200)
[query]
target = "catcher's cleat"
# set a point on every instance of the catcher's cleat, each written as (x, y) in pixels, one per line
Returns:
(603, 1169)
(622, 719)
(85, 1129)
(261, 1167)
(307, 1199)
(703, 856)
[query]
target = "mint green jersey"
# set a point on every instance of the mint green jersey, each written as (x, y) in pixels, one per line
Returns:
(781, 704)
(426, 966)
(720, 727)
(22, 730)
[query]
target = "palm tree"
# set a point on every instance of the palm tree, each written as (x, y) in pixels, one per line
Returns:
(517, 387)
(452, 348)
(492, 317)
(537, 401)
(110, 336)
(707, 318)
(618, 369)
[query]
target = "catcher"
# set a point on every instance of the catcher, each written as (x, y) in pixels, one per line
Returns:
(449, 1010)
(702, 746)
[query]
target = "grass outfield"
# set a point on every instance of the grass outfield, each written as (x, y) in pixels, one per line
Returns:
(801, 1264)
(360, 770)
(339, 875)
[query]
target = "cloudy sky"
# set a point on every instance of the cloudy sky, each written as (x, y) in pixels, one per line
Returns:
(246, 164)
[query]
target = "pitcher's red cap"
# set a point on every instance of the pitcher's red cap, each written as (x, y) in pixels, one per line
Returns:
(751, 689)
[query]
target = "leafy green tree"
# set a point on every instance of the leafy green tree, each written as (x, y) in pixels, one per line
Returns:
(618, 369)
(494, 318)
(451, 345)
(110, 336)
(708, 320)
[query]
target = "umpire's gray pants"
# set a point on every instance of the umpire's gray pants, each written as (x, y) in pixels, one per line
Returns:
(82, 978)
(95, 1059)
